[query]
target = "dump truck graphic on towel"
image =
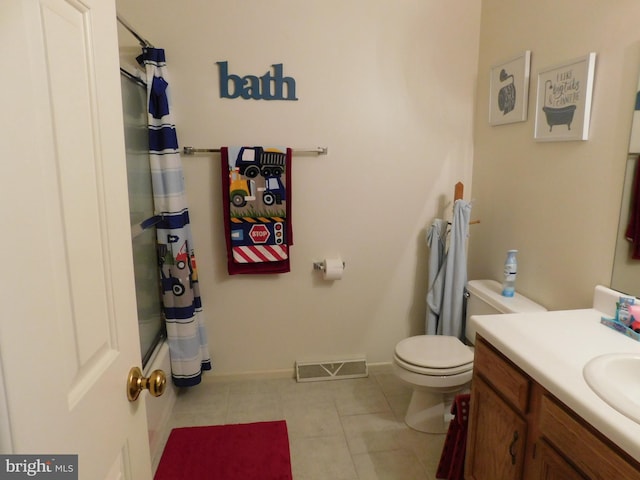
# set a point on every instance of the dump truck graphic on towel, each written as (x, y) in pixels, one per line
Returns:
(254, 161)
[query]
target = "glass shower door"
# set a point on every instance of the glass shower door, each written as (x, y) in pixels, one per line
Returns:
(145, 259)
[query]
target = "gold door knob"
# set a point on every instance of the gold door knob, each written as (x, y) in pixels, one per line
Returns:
(155, 383)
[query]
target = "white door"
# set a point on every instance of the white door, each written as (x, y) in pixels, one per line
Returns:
(68, 328)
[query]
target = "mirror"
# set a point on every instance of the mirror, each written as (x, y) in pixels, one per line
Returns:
(626, 269)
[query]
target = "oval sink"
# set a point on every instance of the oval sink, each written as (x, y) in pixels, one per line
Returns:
(615, 378)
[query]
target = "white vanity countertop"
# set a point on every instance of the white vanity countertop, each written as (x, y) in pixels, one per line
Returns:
(553, 348)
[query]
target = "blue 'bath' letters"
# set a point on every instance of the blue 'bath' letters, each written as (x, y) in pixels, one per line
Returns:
(267, 87)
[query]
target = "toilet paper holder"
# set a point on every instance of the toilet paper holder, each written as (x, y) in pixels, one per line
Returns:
(322, 266)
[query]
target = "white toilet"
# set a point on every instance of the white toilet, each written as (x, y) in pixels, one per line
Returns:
(439, 367)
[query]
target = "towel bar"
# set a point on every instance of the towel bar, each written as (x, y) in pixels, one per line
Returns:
(193, 151)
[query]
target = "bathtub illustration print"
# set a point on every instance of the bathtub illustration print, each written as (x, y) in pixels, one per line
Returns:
(559, 115)
(561, 100)
(564, 100)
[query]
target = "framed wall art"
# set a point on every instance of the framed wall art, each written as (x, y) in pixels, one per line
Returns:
(509, 90)
(563, 102)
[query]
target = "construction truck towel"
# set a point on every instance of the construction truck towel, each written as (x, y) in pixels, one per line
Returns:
(256, 196)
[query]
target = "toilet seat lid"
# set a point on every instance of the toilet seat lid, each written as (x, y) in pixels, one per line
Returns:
(434, 351)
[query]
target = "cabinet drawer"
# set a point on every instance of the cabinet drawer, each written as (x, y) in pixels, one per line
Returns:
(503, 375)
(580, 444)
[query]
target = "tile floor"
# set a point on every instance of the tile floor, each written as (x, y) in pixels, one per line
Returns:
(338, 429)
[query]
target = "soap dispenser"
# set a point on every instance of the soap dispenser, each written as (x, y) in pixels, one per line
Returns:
(510, 271)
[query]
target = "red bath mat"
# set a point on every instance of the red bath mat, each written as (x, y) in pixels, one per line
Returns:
(227, 452)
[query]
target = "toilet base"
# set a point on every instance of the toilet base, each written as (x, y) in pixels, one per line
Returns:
(429, 412)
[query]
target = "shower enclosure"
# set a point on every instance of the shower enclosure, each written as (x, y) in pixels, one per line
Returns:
(145, 259)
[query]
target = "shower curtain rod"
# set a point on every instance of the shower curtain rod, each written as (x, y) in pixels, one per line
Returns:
(143, 42)
(192, 151)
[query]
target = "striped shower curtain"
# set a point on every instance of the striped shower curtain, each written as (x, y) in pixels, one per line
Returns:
(179, 277)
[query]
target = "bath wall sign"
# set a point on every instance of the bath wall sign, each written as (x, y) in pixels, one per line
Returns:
(509, 90)
(272, 85)
(563, 106)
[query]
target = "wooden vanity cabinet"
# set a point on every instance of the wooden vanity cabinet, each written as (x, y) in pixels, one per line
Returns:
(518, 430)
(498, 424)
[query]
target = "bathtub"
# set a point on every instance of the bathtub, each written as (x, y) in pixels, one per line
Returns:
(159, 408)
(559, 116)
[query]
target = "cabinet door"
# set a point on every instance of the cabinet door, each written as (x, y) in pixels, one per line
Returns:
(553, 466)
(496, 437)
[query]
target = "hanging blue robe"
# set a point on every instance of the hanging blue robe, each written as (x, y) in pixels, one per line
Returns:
(448, 274)
(437, 242)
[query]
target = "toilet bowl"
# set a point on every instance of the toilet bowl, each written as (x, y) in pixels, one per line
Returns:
(438, 367)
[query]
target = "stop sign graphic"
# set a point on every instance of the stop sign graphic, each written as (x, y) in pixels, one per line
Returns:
(259, 233)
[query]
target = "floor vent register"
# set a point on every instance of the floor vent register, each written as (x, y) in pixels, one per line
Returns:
(334, 370)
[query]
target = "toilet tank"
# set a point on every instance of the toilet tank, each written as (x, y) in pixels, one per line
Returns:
(485, 298)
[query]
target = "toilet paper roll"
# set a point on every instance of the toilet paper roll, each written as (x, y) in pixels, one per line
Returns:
(333, 269)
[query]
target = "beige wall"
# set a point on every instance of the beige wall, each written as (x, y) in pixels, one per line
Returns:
(556, 202)
(389, 88)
